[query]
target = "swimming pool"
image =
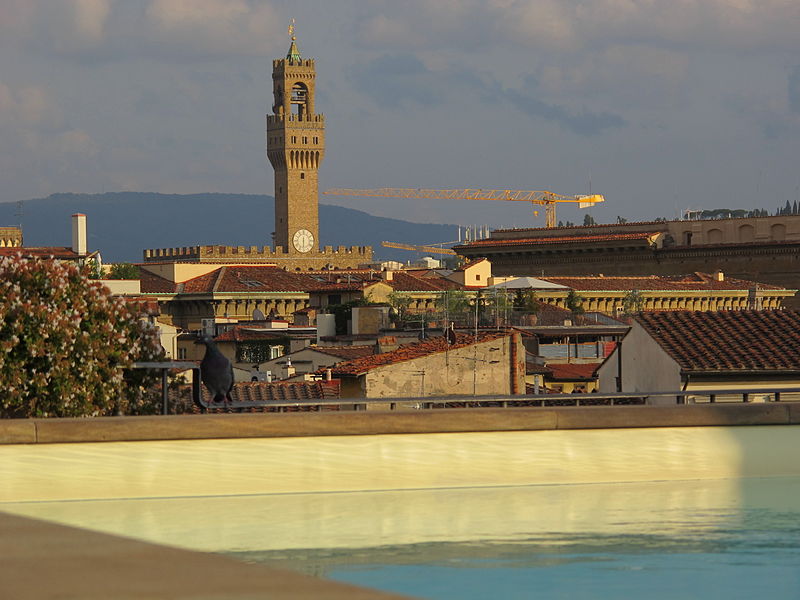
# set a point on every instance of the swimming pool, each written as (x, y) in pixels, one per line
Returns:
(732, 538)
(661, 512)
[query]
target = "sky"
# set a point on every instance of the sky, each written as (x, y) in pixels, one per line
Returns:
(660, 106)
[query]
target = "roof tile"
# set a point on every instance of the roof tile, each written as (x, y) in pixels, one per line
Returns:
(747, 340)
(412, 351)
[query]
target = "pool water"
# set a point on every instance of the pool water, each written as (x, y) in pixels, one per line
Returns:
(730, 538)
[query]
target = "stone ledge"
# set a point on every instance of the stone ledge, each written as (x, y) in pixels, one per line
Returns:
(150, 428)
(45, 560)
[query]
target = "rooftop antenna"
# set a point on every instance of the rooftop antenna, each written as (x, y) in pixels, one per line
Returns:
(19, 212)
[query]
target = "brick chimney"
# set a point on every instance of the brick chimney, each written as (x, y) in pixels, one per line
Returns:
(79, 245)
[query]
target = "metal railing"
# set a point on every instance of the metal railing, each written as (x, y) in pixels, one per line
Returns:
(678, 397)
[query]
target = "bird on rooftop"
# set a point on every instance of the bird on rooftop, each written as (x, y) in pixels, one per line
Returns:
(216, 372)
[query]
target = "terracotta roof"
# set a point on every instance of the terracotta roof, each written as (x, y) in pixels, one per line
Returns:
(405, 282)
(729, 341)
(145, 306)
(254, 279)
(242, 334)
(694, 281)
(55, 252)
(346, 352)
(573, 371)
(570, 239)
(532, 368)
(412, 351)
(293, 391)
(469, 264)
(150, 283)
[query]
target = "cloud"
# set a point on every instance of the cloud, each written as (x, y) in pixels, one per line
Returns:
(217, 27)
(65, 27)
(27, 106)
(582, 121)
(572, 25)
(794, 90)
(397, 80)
(404, 79)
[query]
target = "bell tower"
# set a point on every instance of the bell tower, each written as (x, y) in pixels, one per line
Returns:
(295, 148)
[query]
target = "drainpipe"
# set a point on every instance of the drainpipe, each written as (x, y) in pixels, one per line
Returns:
(515, 339)
(619, 365)
(682, 399)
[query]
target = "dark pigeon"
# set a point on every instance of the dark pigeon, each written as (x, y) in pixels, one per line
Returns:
(216, 372)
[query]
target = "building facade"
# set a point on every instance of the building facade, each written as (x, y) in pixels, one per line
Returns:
(295, 149)
(763, 249)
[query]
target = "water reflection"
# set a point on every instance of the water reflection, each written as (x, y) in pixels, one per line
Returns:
(567, 516)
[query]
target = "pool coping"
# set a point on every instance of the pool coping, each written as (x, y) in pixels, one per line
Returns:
(306, 424)
(48, 560)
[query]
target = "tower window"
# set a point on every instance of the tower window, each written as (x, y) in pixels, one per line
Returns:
(316, 140)
(302, 175)
(294, 139)
(305, 140)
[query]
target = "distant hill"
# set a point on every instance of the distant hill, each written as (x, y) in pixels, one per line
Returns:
(122, 224)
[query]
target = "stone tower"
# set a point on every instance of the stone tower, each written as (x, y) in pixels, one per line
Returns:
(295, 148)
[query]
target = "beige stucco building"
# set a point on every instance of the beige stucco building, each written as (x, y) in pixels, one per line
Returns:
(733, 350)
(295, 149)
(494, 365)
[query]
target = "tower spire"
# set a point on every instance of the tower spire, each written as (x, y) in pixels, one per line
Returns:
(294, 54)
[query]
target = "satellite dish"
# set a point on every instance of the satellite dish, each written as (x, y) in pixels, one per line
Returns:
(258, 315)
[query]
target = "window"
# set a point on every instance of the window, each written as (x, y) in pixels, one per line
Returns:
(305, 140)
(316, 140)
(181, 353)
(302, 175)
(294, 139)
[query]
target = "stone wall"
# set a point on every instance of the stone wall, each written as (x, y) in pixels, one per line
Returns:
(343, 257)
(10, 237)
(492, 367)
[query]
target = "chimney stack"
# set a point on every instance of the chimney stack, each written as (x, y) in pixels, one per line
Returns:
(719, 275)
(79, 245)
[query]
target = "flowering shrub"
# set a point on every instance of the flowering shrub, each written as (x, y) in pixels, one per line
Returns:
(64, 341)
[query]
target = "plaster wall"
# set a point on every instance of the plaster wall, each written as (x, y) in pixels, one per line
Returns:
(645, 366)
(480, 369)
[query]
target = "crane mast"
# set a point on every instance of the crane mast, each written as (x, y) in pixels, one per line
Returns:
(536, 197)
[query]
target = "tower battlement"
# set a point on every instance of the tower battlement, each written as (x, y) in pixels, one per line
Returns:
(342, 257)
(280, 64)
(310, 121)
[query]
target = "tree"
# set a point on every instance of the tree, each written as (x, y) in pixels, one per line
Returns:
(574, 303)
(632, 302)
(525, 301)
(621, 220)
(456, 303)
(123, 271)
(588, 220)
(399, 303)
(65, 343)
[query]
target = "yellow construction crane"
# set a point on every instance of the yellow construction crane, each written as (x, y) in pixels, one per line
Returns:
(425, 249)
(540, 197)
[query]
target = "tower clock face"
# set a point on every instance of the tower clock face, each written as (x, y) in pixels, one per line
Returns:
(303, 240)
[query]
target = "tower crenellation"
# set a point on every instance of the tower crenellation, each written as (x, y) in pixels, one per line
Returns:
(295, 149)
(295, 136)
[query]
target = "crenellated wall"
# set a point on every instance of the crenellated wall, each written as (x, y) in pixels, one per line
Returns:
(343, 257)
(10, 237)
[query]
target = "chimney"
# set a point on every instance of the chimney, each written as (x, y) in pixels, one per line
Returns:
(719, 275)
(79, 234)
(387, 275)
(328, 374)
(288, 369)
